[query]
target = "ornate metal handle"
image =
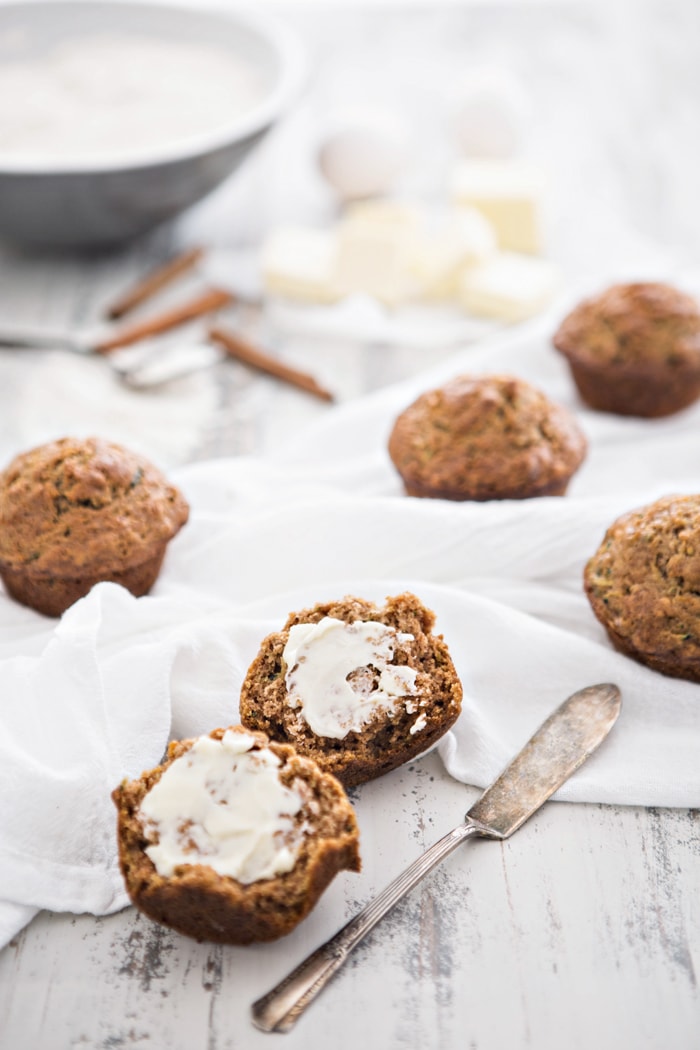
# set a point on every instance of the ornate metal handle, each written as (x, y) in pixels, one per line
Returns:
(279, 1010)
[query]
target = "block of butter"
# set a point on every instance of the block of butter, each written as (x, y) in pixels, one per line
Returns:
(300, 263)
(509, 193)
(508, 287)
(450, 242)
(375, 241)
(384, 212)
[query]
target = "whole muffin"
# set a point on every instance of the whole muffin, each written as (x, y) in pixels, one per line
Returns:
(643, 584)
(76, 512)
(233, 839)
(634, 350)
(486, 437)
(359, 688)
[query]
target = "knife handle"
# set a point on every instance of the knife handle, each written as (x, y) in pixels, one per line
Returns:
(281, 1008)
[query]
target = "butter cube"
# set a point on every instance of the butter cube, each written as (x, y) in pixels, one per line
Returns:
(508, 287)
(300, 263)
(374, 246)
(461, 238)
(384, 212)
(509, 194)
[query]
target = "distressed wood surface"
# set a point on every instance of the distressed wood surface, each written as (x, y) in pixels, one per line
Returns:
(581, 931)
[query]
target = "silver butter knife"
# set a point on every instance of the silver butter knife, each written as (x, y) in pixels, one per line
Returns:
(556, 750)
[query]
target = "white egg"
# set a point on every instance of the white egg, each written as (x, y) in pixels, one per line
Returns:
(363, 154)
(491, 114)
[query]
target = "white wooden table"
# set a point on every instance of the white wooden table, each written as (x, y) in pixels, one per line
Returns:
(584, 929)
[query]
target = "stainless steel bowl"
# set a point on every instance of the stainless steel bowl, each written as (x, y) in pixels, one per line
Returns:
(72, 203)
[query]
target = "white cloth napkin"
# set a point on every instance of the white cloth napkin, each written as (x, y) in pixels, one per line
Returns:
(96, 696)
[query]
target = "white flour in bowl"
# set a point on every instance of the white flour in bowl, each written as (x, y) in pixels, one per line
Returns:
(120, 96)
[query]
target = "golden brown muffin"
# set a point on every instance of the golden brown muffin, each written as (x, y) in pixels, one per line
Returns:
(76, 512)
(198, 901)
(634, 350)
(426, 703)
(483, 438)
(643, 584)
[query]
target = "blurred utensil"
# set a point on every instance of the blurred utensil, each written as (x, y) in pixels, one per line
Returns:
(51, 337)
(155, 365)
(155, 362)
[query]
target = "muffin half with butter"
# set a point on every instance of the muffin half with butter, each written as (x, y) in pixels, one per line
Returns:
(233, 839)
(75, 512)
(359, 688)
(486, 437)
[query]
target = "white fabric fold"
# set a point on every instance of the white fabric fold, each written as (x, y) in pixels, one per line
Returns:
(93, 698)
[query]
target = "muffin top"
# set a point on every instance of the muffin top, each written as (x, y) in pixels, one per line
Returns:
(644, 580)
(643, 323)
(75, 506)
(486, 437)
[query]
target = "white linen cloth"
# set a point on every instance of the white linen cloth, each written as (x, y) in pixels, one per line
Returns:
(95, 697)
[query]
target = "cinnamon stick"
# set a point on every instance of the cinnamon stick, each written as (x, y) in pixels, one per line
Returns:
(153, 282)
(206, 302)
(243, 351)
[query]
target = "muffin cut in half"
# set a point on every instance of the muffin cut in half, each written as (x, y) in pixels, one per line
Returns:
(233, 839)
(75, 512)
(634, 350)
(484, 438)
(357, 687)
(643, 584)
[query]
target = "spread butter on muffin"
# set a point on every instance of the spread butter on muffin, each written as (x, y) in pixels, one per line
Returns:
(634, 350)
(643, 584)
(75, 512)
(359, 688)
(486, 437)
(233, 839)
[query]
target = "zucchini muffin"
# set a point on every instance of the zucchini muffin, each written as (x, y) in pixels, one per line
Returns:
(359, 688)
(233, 839)
(484, 438)
(634, 350)
(77, 512)
(643, 584)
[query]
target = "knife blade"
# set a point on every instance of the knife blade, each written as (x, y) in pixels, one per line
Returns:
(561, 744)
(556, 750)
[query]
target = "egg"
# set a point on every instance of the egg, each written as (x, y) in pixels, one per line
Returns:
(363, 154)
(491, 113)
